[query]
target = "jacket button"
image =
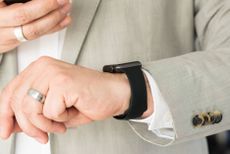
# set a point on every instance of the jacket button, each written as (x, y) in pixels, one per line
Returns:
(197, 120)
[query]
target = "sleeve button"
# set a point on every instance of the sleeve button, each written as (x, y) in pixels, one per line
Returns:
(197, 121)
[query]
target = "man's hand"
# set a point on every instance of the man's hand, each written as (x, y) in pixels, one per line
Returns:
(74, 95)
(38, 17)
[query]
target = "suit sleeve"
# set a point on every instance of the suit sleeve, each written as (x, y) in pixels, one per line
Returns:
(198, 82)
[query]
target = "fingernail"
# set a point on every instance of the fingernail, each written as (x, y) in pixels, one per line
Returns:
(62, 2)
(66, 9)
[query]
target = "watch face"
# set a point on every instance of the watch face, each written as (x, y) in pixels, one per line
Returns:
(119, 68)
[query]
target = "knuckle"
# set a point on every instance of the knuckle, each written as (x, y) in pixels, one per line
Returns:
(44, 59)
(21, 16)
(50, 114)
(51, 5)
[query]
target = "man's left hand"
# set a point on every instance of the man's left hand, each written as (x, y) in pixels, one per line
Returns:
(74, 96)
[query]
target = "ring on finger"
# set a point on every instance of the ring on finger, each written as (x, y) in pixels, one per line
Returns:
(18, 32)
(35, 94)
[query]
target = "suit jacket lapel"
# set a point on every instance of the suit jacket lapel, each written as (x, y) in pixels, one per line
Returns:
(83, 13)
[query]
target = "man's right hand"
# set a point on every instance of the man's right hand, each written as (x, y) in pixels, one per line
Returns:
(37, 18)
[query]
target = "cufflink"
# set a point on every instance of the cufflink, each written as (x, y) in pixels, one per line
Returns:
(216, 117)
(204, 118)
(201, 119)
(197, 120)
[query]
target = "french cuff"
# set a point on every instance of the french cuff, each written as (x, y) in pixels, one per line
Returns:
(160, 122)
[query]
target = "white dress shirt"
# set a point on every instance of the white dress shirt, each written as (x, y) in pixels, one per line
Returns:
(160, 122)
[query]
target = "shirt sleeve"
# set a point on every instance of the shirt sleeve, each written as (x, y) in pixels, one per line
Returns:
(160, 122)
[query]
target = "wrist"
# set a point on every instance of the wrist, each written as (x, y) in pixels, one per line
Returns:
(150, 108)
(138, 101)
(125, 91)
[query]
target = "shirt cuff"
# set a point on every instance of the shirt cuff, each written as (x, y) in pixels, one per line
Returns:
(160, 122)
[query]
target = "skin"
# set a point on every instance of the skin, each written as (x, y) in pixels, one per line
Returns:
(75, 95)
(38, 17)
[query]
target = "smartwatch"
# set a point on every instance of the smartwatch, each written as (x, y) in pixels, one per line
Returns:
(138, 100)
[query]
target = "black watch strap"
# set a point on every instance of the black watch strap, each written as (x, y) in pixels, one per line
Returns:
(138, 100)
(9, 2)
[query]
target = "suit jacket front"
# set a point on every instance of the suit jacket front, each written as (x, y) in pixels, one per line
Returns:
(185, 45)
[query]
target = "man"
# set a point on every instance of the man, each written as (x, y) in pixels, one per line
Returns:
(163, 35)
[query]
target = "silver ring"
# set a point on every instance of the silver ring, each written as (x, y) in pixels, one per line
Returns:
(18, 32)
(39, 97)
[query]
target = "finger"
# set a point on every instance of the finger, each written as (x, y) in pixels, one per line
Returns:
(6, 113)
(44, 25)
(17, 96)
(18, 107)
(6, 123)
(35, 29)
(8, 47)
(63, 24)
(12, 96)
(77, 120)
(25, 13)
(29, 129)
(47, 125)
(9, 42)
(38, 119)
(33, 109)
(54, 107)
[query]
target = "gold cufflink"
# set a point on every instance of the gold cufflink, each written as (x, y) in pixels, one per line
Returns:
(216, 117)
(198, 120)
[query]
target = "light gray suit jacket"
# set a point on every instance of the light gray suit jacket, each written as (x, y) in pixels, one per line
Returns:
(184, 44)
